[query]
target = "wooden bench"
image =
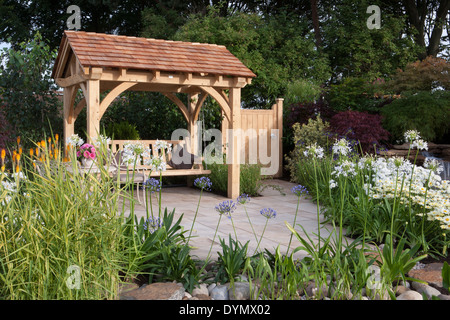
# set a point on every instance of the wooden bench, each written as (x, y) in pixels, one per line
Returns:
(197, 169)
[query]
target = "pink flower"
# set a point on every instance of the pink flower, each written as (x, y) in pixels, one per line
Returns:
(78, 153)
(92, 155)
(86, 154)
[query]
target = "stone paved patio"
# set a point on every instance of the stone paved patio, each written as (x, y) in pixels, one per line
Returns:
(185, 200)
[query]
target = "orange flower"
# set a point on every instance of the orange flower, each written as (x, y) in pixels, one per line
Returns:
(3, 154)
(31, 152)
(37, 152)
(18, 158)
(42, 143)
(17, 168)
(20, 150)
(2, 168)
(18, 140)
(56, 137)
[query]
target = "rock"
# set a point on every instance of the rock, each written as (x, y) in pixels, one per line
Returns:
(219, 292)
(127, 287)
(202, 289)
(399, 290)
(410, 295)
(444, 297)
(239, 291)
(156, 291)
(211, 287)
(318, 293)
(430, 273)
(425, 289)
(202, 297)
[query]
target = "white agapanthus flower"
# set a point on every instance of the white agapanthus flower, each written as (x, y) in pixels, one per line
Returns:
(419, 144)
(157, 163)
(133, 152)
(163, 145)
(314, 151)
(341, 147)
(346, 168)
(412, 135)
(433, 165)
(74, 141)
(101, 140)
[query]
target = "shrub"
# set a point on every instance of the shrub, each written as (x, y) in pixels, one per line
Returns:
(315, 131)
(55, 230)
(31, 104)
(427, 112)
(5, 131)
(426, 75)
(356, 94)
(122, 131)
(250, 179)
(363, 128)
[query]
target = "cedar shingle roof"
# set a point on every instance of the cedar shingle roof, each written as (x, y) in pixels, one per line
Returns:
(105, 50)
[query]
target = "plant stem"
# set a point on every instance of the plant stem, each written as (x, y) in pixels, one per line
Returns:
(264, 230)
(295, 220)
(195, 217)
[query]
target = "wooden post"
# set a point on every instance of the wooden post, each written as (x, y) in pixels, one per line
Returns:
(234, 160)
(192, 126)
(69, 120)
(279, 125)
(93, 108)
(193, 130)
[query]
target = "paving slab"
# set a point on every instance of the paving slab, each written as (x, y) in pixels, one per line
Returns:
(185, 201)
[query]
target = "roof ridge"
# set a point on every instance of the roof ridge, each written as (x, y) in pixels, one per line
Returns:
(145, 38)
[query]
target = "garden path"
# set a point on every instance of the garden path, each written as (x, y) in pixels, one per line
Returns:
(185, 200)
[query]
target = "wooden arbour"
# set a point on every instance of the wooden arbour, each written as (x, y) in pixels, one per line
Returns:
(99, 63)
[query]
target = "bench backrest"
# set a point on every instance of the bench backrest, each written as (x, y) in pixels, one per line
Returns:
(117, 145)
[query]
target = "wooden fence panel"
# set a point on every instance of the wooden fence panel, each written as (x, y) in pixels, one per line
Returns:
(254, 124)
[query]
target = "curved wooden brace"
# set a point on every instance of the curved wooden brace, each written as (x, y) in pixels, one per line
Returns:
(179, 103)
(199, 104)
(112, 95)
(220, 100)
(80, 106)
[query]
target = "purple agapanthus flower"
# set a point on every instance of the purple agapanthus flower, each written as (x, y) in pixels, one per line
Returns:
(203, 183)
(243, 198)
(299, 190)
(152, 184)
(269, 213)
(226, 207)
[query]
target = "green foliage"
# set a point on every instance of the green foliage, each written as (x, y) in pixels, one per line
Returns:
(31, 104)
(434, 111)
(54, 227)
(398, 261)
(122, 131)
(315, 131)
(252, 38)
(446, 276)
(250, 178)
(302, 91)
(231, 260)
(159, 253)
(356, 51)
(275, 277)
(355, 94)
(145, 110)
(427, 75)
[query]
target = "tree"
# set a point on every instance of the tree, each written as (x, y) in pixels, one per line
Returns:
(31, 104)
(356, 51)
(277, 49)
(428, 17)
(429, 74)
